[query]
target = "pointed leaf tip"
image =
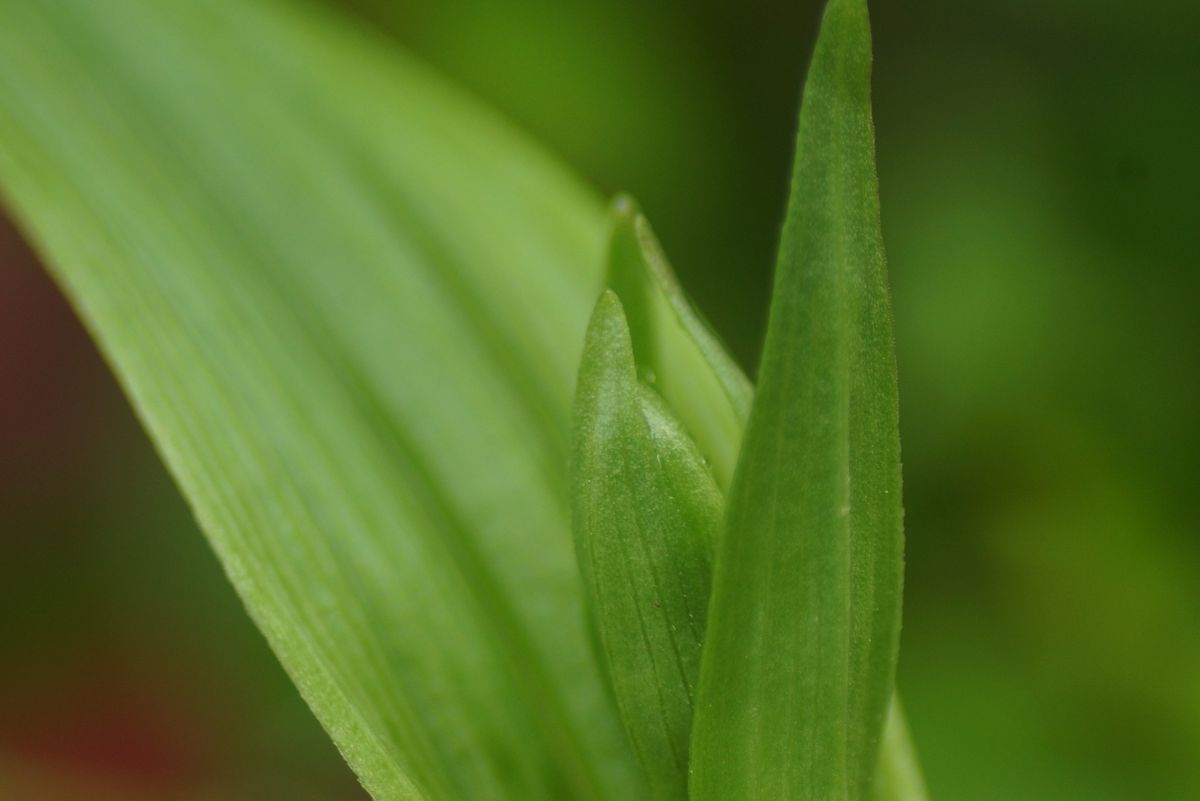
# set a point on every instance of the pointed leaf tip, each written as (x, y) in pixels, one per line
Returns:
(645, 515)
(803, 628)
(673, 346)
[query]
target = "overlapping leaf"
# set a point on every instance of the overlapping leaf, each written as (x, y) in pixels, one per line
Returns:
(899, 777)
(676, 350)
(622, 506)
(348, 305)
(646, 513)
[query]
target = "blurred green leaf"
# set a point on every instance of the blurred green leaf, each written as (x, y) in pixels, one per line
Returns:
(899, 777)
(348, 306)
(646, 513)
(803, 628)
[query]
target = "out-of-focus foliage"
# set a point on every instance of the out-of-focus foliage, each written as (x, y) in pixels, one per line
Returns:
(1038, 171)
(347, 304)
(128, 670)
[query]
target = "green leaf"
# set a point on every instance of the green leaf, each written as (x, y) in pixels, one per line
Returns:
(899, 777)
(348, 306)
(646, 513)
(669, 338)
(803, 628)
(676, 350)
(668, 334)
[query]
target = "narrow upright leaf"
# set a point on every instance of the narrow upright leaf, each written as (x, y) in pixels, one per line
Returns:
(646, 511)
(676, 350)
(803, 627)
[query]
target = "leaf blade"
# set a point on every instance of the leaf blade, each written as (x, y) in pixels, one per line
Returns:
(300, 443)
(646, 513)
(676, 350)
(804, 624)
(900, 777)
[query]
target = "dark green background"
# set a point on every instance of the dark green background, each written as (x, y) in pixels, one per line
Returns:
(1038, 164)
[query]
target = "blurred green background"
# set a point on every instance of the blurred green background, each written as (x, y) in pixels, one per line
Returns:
(1038, 165)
